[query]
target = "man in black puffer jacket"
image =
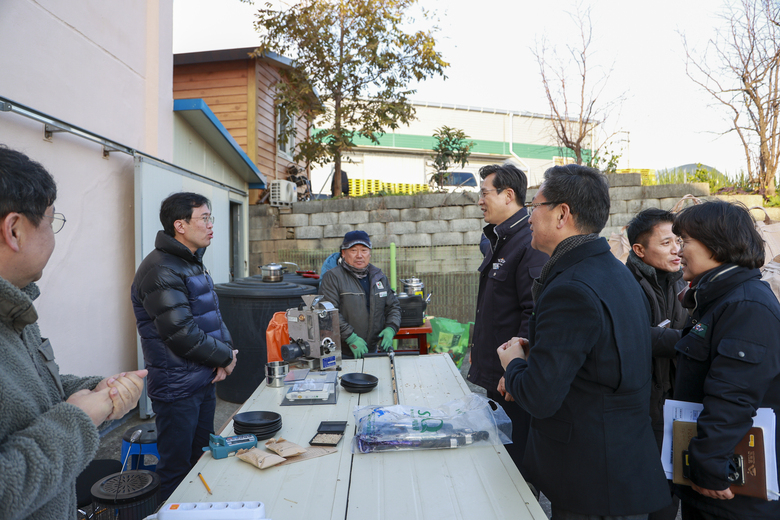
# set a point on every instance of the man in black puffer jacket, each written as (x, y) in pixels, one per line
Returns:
(186, 346)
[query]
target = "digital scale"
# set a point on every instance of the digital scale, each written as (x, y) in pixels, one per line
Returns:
(310, 387)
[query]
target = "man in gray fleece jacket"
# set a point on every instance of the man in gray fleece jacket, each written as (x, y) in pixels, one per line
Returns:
(48, 421)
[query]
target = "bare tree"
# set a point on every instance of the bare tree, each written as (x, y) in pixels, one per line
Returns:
(576, 107)
(740, 68)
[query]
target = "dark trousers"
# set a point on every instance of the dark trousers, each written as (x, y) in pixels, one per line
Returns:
(521, 423)
(562, 514)
(183, 429)
(670, 511)
(691, 513)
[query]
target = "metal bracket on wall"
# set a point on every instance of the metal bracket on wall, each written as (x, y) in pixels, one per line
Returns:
(50, 130)
(52, 125)
(107, 150)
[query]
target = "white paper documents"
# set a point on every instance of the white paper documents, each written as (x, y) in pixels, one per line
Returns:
(685, 411)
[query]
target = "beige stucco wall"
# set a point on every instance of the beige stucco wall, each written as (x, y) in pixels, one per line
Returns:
(105, 67)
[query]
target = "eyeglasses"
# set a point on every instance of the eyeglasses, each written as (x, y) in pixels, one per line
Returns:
(57, 222)
(206, 219)
(533, 205)
(483, 193)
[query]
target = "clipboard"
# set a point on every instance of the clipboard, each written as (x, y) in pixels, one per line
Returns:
(751, 468)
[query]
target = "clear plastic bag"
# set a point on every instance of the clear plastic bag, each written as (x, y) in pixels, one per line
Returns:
(473, 420)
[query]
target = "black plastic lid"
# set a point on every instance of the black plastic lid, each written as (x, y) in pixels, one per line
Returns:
(148, 433)
(246, 288)
(130, 486)
(332, 427)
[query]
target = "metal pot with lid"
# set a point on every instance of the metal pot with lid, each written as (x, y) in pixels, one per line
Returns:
(272, 272)
(413, 286)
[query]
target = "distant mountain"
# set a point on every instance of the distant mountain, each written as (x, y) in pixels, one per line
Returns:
(691, 168)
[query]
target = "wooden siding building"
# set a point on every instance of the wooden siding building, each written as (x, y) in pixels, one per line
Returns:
(239, 89)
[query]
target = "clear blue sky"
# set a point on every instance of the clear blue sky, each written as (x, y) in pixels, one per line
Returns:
(669, 120)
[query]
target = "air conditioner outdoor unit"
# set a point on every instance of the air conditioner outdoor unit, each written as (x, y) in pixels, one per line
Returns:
(283, 193)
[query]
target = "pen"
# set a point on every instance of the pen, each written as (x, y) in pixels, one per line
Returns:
(204, 483)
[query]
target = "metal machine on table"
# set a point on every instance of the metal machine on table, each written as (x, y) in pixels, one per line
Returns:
(412, 304)
(315, 336)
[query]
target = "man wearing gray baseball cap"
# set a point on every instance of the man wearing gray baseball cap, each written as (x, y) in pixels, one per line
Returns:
(369, 311)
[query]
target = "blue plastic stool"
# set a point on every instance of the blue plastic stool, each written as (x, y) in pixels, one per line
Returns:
(145, 445)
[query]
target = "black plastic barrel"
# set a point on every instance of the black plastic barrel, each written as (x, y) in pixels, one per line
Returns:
(247, 307)
(301, 280)
(289, 278)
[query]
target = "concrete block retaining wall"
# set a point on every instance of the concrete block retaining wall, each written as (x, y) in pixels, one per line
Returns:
(448, 221)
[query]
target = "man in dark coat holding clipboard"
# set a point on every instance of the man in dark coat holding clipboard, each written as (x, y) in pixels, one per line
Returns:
(586, 378)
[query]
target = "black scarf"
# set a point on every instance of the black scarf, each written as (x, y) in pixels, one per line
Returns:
(565, 246)
(358, 273)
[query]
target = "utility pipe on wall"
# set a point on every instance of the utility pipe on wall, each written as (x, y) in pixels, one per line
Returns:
(512, 142)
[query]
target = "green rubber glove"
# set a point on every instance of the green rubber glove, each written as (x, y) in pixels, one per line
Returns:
(357, 345)
(387, 338)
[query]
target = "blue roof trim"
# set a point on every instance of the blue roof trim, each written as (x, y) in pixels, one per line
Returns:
(200, 116)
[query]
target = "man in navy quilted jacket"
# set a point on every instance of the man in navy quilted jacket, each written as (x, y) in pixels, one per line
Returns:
(187, 347)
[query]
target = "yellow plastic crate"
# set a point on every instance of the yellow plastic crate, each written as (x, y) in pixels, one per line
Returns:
(648, 175)
(357, 187)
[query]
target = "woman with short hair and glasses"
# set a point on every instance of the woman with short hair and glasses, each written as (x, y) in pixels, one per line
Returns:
(729, 353)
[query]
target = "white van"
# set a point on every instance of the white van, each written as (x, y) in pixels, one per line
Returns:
(461, 181)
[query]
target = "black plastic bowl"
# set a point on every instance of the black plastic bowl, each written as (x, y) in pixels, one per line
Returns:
(357, 389)
(358, 379)
(258, 418)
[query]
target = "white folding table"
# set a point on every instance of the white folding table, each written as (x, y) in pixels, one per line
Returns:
(473, 483)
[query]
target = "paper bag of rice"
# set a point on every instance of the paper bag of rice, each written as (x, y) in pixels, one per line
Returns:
(261, 459)
(284, 447)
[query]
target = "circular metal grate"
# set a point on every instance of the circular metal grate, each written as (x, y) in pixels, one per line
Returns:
(127, 483)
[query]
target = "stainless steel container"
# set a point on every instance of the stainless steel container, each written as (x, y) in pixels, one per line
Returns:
(413, 286)
(272, 272)
(275, 372)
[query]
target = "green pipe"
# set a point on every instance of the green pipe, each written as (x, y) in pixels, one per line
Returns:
(393, 273)
(393, 281)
